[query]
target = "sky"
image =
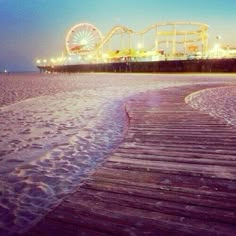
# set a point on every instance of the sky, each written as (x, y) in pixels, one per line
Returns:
(31, 29)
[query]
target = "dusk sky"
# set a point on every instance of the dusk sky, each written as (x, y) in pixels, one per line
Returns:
(37, 28)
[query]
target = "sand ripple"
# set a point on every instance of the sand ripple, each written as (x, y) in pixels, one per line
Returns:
(218, 102)
(57, 142)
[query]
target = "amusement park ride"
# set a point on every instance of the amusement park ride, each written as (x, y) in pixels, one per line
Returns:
(85, 44)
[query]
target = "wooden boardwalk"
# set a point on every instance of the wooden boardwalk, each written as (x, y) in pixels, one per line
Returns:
(173, 175)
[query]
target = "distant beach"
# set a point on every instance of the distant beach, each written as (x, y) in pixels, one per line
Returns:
(57, 128)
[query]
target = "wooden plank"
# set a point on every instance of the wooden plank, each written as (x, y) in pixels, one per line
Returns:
(180, 139)
(140, 188)
(197, 147)
(122, 220)
(215, 173)
(163, 206)
(173, 174)
(160, 159)
(187, 132)
(173, 153)
(130, 216)
(161, 181)
(175, 159)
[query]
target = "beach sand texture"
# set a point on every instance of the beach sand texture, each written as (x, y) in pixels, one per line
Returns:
(56, 129)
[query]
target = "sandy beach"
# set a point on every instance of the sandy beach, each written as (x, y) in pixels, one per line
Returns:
(56, 129)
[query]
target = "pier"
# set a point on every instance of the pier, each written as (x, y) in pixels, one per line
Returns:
(227, 65)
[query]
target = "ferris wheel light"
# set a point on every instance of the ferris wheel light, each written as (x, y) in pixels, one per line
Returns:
(38, 61)
(84, 42)
(139, 45)
(82, 39)
(45, 61)
(58, 59)
(105, 55)
(216, 46)
(52, 60)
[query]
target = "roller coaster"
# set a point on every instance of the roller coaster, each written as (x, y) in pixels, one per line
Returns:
(85, 42)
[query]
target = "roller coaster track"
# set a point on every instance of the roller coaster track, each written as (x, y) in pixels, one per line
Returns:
(201, 30)
(119, 29)
(202, 26)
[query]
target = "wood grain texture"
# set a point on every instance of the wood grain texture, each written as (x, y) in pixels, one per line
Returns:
(174, 174)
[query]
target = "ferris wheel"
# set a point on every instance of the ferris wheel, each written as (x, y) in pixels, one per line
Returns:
(82, 39)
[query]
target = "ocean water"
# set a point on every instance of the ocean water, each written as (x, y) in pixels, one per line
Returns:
(56, 129)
